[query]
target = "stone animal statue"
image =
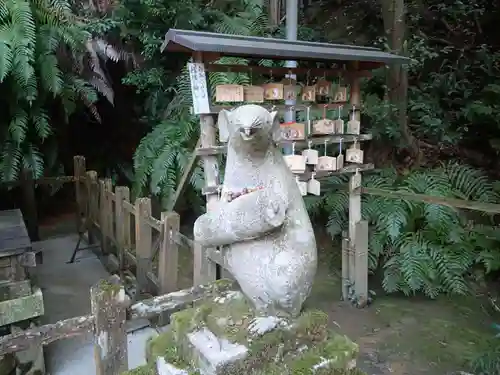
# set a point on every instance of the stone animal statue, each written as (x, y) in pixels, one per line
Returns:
(261, 223)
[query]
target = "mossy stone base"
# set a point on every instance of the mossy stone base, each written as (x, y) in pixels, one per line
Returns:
(303, 346)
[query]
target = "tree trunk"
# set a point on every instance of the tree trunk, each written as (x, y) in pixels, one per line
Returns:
(393, 13)
(274, 12)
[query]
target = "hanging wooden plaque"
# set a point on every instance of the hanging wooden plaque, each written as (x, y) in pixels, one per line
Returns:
(273, 91)
(323, 127)
(229, 93)
(353, 127)
(323, 88)
(290, 92)
(296, 163)
(340, 94)
(354, 155)
(253, 94)
(293, 131)
(309, 94)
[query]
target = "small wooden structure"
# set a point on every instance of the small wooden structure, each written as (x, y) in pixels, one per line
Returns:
(318, 60)
(17, 299)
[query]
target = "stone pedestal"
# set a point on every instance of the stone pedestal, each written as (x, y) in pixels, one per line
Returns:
(222, 336)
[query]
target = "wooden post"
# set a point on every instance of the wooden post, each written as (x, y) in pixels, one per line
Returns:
(127, 242)
(81, 196)
(205, 270)
(143, 241)
(108, 183)
(29, 204)
(354, 183)
(108, 305)
(169, 253)
(345, 266)
(120, 214)
(93, 199)
(105, 215)
(361, 276)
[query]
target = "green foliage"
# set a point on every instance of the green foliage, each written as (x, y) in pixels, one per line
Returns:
(42, 44)
(421, 246)
(162, 154)
(50, 63)
(488, 362)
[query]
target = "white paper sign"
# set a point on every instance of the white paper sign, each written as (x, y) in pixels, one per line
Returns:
(199, 89)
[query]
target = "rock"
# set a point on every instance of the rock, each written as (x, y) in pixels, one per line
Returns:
(201, 342)
(210, 353)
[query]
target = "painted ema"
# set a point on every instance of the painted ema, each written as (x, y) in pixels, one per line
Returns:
(261, 222)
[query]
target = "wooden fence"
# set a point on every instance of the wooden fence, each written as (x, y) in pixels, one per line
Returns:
(130, 237)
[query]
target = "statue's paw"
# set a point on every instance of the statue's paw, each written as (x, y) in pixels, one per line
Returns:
(263, 324)
(275, 214)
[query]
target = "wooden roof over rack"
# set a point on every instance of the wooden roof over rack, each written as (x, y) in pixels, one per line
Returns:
(214, 45)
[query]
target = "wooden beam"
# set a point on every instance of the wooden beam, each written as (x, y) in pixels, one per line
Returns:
(315, 141)
(188, 171)
(204, 269)
(175, 301)
(491, 208)
(280, 71)
(46, 334)
(215, 109)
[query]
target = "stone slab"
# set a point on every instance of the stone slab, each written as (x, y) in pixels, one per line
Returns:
(211, 353)
(23, 308)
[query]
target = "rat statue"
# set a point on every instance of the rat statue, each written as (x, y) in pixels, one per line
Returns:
(261, 222)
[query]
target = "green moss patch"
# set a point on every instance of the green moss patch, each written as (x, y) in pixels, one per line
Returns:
(299, 347)
(142, 370)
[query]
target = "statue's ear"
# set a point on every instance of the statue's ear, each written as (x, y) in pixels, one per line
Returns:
(275, 126)
(224, 125)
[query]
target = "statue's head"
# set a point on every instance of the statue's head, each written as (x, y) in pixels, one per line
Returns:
(250, 123)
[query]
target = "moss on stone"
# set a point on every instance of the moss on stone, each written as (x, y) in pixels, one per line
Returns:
(142, 370)
(298, 347)
(164, 345)
(106, 286)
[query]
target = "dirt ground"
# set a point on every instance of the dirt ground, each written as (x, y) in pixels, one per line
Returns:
(396, 335)
(401, 335)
